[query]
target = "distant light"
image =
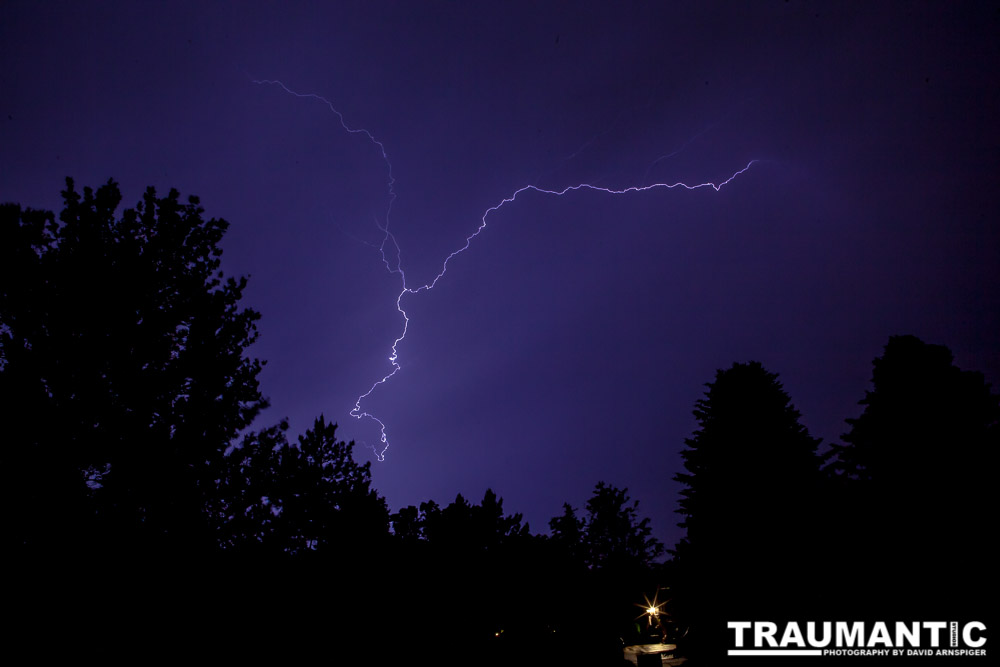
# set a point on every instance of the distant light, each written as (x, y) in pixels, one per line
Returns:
(652, 609)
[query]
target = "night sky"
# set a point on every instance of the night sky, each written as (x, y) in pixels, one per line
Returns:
(569, 343)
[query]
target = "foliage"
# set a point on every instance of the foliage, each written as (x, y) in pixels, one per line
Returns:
(461, 525)
(279, 497)
(610, 536)
(122, 354)
(920, 462)
(751, 465)
(752, 488)
(920, 405)
(614, 533)
(568, 534)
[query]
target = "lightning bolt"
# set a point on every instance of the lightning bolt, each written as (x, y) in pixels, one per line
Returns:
(358, 412)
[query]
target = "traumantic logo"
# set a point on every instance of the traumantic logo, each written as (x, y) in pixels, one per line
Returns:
(857, 638)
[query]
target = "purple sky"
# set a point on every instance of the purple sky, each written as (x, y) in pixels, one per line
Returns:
(570, 342)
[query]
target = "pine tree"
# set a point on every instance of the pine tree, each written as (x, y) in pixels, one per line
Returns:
(752, 467)
(751, 508)
(916, 477)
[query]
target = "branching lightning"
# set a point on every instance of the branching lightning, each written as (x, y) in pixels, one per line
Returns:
(358, 412)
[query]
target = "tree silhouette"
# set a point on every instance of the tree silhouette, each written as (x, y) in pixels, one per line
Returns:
(304, 537)
(292, 499)
(610, 536)
(750, 464)
(122, 355)
(474, 570)
(752, 486)
(460, 525)
(406, 525)
(917, 476)
(921, 409)
(614, 535)
(568, 533)
(600, 563)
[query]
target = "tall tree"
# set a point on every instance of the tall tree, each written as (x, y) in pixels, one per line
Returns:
(918, 473)
(122, 357)
(749, 504)
(928, 428)
(750, 465)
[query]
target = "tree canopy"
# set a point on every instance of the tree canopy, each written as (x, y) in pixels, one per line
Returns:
(921, 407)
(614, 535)
(750, 446)
(461, 525)
(285, 498)
(122, 353)
(130, 395)
(916, 476)
(131, 467)
(751, 486)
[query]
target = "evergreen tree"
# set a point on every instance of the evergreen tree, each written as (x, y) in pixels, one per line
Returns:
(751, 466)
(750, 507)
(917, 478)
(928, 429)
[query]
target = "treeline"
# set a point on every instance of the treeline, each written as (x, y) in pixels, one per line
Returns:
(141, 504)
(142, 511)
(895, 523)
